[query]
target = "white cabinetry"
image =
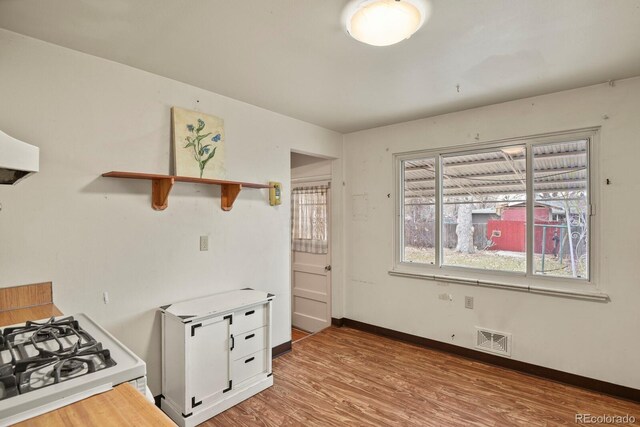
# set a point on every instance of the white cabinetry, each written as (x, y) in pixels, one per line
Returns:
(216, 352)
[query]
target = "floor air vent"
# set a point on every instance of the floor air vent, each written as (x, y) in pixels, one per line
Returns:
(493, 341)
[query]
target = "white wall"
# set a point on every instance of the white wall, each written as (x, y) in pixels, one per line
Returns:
(598, 340)
(312, 170)
(89, 234)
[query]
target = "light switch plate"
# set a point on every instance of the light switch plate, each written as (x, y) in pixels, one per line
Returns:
(204, 243)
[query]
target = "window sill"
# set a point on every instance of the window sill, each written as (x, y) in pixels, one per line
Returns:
(592, 295)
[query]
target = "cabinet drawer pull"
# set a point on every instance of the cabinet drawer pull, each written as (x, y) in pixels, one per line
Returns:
(249, 313)
(249, 359)
(249, 336)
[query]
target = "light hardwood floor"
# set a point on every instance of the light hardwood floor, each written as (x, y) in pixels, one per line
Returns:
(297, 334)
(345, 377)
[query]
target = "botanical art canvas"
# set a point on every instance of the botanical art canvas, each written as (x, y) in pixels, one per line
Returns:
(198, 144)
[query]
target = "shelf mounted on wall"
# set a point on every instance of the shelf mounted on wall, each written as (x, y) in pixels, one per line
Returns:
(161, 186)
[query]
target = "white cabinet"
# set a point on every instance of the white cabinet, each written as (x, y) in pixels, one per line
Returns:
(216, 352)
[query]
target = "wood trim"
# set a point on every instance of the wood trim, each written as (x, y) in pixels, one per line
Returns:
(24, 296)
(516, 365)
(338, 322)
(281, 349)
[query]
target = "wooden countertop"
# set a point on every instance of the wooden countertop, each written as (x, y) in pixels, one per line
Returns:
(21, 315)
(122, 406)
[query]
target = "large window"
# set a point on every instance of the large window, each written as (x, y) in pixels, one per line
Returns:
(520, 207)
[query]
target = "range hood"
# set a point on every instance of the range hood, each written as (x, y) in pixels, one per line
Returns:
(18, 159)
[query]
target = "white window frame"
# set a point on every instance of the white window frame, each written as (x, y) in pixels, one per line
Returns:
(528, 281)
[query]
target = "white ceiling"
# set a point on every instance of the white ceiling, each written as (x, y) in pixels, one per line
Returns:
(294, 57)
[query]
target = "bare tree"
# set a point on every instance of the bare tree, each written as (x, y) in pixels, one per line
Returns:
(464, 229)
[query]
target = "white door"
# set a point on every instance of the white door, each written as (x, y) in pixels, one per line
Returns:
(311, 287)
(209, 367)
(311, 292)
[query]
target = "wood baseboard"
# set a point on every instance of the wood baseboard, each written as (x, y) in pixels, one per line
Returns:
(281, 349)
(527, 368)
(337, 322)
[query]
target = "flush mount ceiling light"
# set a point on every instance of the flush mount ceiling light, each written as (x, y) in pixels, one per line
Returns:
(384, 22)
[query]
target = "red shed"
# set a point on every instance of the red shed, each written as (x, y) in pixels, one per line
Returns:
(509, 232)
(519, 213)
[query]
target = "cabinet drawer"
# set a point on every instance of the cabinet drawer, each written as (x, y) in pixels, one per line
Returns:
(249, 366)
(249, 319)
(250, 342)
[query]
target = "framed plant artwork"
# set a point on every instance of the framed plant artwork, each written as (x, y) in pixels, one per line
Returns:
(198, 144)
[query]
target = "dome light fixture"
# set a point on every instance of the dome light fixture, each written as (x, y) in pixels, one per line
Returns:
(385, 22)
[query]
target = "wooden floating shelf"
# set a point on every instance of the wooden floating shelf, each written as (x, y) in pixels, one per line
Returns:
(161, 186)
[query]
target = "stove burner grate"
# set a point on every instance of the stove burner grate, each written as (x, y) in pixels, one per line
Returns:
(70, 367)
(47, 353)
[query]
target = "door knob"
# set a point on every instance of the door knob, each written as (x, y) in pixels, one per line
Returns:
(327, 268)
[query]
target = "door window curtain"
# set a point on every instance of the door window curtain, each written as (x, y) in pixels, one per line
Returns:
(309, 219)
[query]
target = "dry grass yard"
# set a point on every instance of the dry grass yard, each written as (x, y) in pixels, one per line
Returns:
(493, 260)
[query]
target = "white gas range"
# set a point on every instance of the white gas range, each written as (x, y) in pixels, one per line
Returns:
(50, 363)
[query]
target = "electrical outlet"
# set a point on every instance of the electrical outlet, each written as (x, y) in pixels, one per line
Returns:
(204, 243)
(105, 297)
(468, 302)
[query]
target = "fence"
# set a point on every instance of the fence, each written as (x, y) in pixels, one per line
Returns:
(424, 237)
(421, 236)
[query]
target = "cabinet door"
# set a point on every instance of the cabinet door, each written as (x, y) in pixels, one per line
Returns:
(208, 361)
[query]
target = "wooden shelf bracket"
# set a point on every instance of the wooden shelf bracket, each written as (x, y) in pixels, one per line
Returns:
(160, 189)
(229, 194)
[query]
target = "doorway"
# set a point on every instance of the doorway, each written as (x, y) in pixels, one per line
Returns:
(310, 243)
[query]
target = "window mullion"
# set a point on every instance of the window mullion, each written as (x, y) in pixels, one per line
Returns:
(400, 214)
(530, 237)
(438, 203)
(589, 220)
